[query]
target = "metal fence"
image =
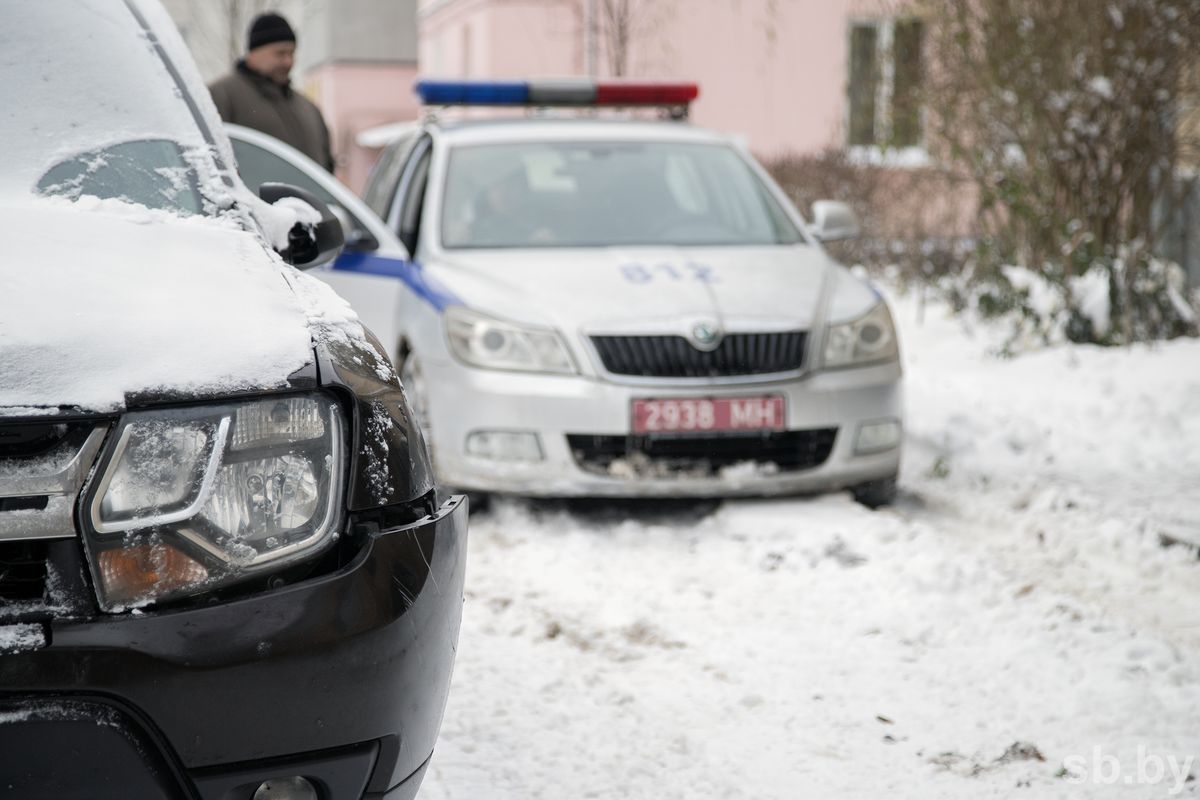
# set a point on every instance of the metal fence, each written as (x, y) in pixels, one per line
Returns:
(1181, 237)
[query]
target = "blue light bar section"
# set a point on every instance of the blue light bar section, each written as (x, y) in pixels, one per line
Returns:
(473, 93)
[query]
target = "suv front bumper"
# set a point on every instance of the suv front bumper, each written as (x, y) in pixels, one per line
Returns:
(341, 679)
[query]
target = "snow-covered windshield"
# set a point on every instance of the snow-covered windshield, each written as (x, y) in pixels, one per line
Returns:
(151, 172)
(597, 194)
(88, 107)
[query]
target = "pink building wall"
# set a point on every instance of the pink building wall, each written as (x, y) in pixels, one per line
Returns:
(772, 72)
(501, 38)
(354, 97)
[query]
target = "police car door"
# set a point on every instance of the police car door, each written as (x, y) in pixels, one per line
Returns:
(367, 271)
(408, 205)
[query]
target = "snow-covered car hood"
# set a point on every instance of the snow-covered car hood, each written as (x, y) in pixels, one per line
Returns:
(100, 300)
(642, 290)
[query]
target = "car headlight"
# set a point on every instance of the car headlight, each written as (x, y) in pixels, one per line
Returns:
(869, 339)
(193, 499)
(483, 341)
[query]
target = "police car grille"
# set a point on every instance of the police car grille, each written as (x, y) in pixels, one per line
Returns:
(676, 357)
(706, 454)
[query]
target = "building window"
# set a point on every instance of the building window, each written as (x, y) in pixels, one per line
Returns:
(885, 79)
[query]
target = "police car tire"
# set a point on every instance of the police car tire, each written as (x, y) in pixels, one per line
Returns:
(876, 493)
(410, 378)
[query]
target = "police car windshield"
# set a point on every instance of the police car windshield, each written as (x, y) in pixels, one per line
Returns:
(91, 108)
(600, 194)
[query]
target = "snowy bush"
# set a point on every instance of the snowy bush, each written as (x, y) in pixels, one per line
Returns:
(1065, 115)
(902, 228)
(1117, 301)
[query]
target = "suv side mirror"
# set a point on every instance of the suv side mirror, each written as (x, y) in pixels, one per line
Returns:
(833, 221)
(309, 245)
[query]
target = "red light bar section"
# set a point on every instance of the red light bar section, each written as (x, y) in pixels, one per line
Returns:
(645, 93)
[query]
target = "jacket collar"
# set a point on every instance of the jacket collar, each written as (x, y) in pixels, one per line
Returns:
(262, 82)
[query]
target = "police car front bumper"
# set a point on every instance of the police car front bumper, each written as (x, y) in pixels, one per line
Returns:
(559, 436)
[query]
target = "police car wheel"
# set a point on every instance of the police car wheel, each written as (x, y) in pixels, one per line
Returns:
(414, 386)
(877, 493)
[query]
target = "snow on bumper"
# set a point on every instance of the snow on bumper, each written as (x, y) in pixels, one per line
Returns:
(466, 401)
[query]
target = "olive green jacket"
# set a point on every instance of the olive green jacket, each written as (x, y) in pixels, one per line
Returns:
(245, 97)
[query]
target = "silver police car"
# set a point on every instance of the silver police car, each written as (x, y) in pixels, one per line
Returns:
(614, 306)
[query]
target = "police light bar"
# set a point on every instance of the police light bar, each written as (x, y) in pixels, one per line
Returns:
(568, 93)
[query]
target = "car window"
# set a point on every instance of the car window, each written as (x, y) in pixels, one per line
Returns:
(257, 166)
(414, 200)
(385, 177)
(596, 194)
(153, 173)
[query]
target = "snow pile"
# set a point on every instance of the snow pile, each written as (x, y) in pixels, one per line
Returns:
(1012, 623)
(1118, 423)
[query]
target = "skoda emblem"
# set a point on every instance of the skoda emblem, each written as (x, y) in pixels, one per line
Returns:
(706, 335)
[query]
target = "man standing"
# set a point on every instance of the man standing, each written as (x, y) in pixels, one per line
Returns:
(259, 95)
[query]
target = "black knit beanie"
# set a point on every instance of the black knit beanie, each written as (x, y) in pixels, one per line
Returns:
(268, 29)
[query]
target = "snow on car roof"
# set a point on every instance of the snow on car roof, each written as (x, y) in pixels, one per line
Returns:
(115, 283)
(78, 77)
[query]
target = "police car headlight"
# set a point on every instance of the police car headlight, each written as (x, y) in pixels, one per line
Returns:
(490, 343)
(193, 499)
(867, 340)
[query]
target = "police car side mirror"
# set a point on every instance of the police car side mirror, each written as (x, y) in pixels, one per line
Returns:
(833, 221)
(310, 244)
(358, 239)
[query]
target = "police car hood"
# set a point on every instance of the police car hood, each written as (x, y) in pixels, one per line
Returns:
(643, 290)
(101, 301)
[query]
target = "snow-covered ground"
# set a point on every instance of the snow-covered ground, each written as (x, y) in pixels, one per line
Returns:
(1014, 627)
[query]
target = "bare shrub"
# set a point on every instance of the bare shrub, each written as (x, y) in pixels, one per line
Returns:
(916, 219)
(1064, 115)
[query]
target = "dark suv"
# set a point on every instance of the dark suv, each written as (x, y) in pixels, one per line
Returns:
(223, 570)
